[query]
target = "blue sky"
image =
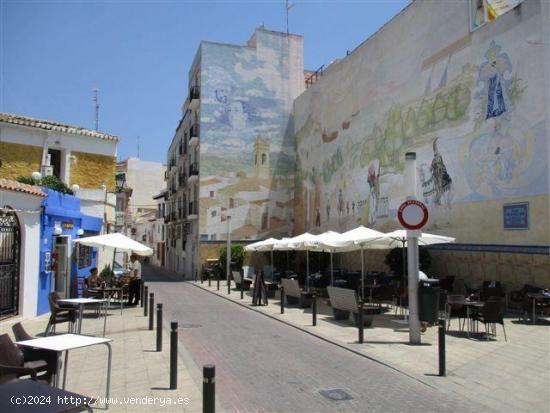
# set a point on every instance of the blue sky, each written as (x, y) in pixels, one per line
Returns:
(53, 53)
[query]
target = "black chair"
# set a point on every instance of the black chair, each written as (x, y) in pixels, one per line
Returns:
(490, 314)
(59, 314)
(13, 364)
(456, 309)
(491, 289)
(31, 354)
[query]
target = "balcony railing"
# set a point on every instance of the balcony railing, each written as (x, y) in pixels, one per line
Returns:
(194, 92)
(193, 169)
(192, 208)
(194, 131)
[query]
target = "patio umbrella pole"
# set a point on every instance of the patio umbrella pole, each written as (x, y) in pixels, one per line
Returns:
(307, 270)
(331, 271)
(271, 253)
(362, 274)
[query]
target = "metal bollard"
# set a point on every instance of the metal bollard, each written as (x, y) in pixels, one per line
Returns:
(209, 388)
(159, 327)
(145, 292)
(360, 321)
(282, 299)
(242, 287)
(202, 277)
(151, 310)
(209, 280)
(218, 283)
(142, 285)
(442, 366)
(229, 284)
(173, 355)
(314, 309)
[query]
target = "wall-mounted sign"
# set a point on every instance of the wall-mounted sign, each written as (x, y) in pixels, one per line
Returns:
(515, 216)
(68, 225)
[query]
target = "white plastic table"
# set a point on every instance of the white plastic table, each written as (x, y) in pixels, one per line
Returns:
(65, 342)
(81, 303)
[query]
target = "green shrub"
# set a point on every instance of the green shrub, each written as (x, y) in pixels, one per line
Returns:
(52, 182)
(237, 255)
(394, 260)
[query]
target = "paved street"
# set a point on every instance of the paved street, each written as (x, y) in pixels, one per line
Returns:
(264, 365)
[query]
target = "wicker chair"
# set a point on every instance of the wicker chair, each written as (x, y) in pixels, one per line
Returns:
(491, 313)
(59, 314)
(13, 364)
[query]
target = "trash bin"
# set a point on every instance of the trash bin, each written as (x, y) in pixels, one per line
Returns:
(428, 300)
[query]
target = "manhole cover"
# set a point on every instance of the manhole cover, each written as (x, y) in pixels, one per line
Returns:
(335, 395)
(190, 326)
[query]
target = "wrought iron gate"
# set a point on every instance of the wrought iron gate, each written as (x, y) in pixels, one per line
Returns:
(10, 242)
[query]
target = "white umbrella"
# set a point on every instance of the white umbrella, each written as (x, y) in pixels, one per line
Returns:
(399, 239)
(362, 237)
(118, 242)
(331, 242)
(301, 242)
(265, 245)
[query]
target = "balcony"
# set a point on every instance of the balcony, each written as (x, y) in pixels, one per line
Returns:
(194, 134)
(193, 173)
(192, 212)
(194, 96)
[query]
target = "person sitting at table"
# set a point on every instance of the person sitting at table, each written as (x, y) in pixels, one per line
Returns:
(135, 283)
(94, 280)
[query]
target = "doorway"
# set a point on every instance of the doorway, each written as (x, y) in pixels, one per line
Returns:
(62, 280)
(10, 244)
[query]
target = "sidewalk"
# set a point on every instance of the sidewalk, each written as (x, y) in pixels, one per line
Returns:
(138, 371)
(505, 376)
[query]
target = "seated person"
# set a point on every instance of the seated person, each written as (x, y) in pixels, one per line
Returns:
(94, 280)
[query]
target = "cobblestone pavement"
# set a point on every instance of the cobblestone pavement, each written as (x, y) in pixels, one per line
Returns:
(263, 365)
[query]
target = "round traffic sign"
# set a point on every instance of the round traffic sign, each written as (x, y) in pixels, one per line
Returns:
(412, 214)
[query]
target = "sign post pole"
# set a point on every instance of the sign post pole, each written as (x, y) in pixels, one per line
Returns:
(412, 215)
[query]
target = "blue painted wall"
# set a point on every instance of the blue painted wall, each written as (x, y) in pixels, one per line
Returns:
(63, 210)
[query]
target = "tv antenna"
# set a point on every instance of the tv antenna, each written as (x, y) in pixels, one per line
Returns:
(96, 102)
(138, 147)
(288, 7)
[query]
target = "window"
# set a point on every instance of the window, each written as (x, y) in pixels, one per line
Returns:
(484, 11)
(84, 256)
(264, 158)
(204, 237)
(55, 161)
(213, 237)
(213, 213)
(211, 194)
(231, 203)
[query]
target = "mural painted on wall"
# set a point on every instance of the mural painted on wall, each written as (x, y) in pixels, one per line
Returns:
(470, 122)
(246, 155)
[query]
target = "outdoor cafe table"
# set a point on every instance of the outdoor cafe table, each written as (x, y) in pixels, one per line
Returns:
(81, 303)
(65, 342)
(469, 305)
(36, 397)
(109, 292)
(537, 297)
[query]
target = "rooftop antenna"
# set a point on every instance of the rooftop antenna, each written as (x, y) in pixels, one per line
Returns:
(96, 102)
(288, 7)
(138, 148)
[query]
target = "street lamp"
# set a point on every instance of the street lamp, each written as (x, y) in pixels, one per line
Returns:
(120, 180)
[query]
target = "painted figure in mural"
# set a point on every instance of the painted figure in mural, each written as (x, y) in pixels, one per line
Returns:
(353, 208)
(492, 73)
(441, 179)
(328, 208)
(373, 179)
(236, 110)
(340, 202)
(479, 13)
(318, 218)
(504, 162)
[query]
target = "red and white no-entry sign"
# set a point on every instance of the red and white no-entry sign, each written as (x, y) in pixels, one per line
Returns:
(412, 214)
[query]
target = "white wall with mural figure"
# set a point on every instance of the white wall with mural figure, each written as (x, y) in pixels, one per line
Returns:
(471, 104)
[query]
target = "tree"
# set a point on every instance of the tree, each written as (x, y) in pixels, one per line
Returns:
(237, 255)
(394, 260)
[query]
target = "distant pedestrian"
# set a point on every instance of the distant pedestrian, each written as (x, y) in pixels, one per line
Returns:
(135, 280)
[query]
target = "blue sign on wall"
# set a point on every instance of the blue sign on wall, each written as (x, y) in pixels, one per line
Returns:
(515, 216)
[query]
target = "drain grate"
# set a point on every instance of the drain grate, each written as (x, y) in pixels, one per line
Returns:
(190, 326)
(335, 395)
